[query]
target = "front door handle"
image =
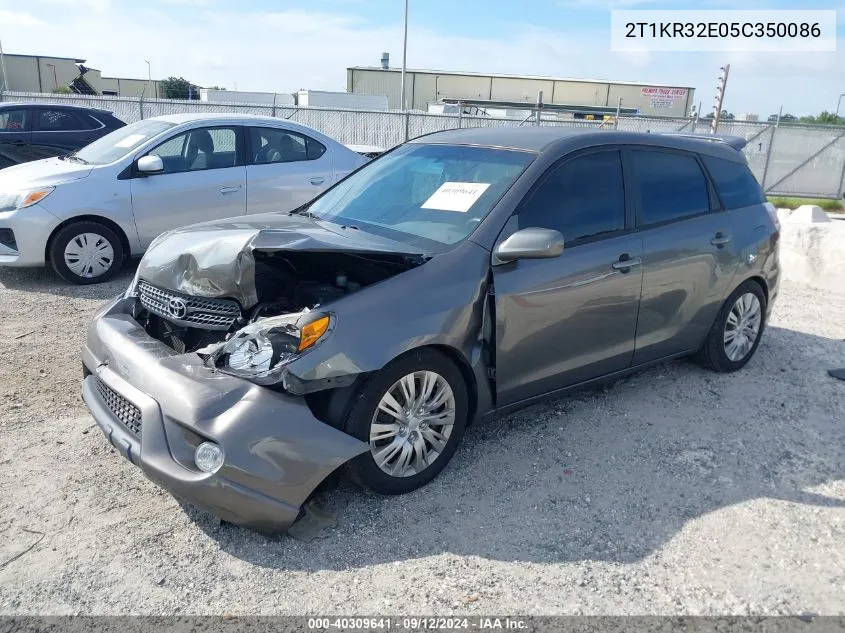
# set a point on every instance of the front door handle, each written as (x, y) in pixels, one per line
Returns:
(626, 262)
(720, 239)
(318, 180)
(18, 143)
(227, 190)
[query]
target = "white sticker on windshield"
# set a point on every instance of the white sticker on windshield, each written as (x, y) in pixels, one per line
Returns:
(131, 141)
(456, 196)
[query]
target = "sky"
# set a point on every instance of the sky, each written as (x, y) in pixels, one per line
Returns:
(287, 45)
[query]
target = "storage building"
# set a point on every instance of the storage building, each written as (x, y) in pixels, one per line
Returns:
(423, 87)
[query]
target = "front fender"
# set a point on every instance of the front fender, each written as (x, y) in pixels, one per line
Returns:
(438, 303)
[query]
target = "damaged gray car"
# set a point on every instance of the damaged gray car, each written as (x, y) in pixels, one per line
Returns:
(251, 358)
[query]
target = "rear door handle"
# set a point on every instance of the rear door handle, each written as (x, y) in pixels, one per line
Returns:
(625, 263)
(720, 239)
(318, 181)
(225, 190)
(18, 143)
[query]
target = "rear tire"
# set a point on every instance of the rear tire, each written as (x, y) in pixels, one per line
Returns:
(414, 447)
(86, 252)
(736, 333)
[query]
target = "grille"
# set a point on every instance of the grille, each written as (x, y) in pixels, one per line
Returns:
(123, 410)
(209, 314)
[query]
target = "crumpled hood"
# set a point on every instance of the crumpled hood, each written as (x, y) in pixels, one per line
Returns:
(216, 259)
(42, 173)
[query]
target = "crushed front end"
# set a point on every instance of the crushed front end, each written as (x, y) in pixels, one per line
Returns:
(186, 372)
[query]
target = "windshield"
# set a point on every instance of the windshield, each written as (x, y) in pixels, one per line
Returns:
(428, 195)
(117, 144)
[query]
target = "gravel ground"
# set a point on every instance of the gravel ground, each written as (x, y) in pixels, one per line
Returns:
(676, 491)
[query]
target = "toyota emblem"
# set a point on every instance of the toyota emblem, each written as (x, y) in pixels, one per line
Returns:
(177, 308)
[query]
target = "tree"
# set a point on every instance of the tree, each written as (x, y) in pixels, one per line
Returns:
(215, 87)
(825, 118)
(178, 88)
(725, 116)
(61, 90)
(830, 118)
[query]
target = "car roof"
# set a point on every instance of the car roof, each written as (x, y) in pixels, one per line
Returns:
(541, 139)
(231, 118)
(189, 117)
(32, 104)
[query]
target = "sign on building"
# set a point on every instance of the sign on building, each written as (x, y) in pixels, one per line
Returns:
(664, 97)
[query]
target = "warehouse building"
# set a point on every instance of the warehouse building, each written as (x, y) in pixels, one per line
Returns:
(38, 73)
(424, 87)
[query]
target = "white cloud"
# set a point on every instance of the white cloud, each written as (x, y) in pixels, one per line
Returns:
(19, 19)
(194, 3)
(289, 50)
(95, 5)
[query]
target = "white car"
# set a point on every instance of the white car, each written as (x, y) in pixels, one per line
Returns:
(87, 211)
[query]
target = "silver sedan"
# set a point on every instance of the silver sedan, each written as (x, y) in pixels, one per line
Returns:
(87, 211)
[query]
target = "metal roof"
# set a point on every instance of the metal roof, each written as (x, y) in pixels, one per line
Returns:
(506, 76)
(76, 60)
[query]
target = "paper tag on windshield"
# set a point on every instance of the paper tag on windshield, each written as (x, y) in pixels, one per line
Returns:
(456, 196)
(131, 140)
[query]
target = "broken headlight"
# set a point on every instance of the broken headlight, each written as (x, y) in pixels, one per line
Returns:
(258, 351)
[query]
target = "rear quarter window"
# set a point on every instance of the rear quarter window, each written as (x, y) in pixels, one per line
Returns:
(734, 182)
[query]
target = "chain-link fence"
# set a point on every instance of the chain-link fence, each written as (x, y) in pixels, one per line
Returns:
(796, 160)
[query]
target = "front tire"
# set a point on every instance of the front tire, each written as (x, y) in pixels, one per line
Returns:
(413, 414)
(736, 333)
(86, 253)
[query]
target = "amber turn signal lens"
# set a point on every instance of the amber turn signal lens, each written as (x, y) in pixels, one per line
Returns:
(33, 197)
(311, 333)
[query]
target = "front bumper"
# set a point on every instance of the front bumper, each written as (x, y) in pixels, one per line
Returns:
(276, 451)
(32, 228)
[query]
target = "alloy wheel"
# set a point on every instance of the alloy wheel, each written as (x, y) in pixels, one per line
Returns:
(742, 326)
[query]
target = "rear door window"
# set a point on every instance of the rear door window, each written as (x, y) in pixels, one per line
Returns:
(671, 186)
(734, 182)
(275, 145)
(59, 121)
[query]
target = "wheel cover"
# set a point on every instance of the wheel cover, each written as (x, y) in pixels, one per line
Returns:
(89, 255)
(743, 326)
(412, 424)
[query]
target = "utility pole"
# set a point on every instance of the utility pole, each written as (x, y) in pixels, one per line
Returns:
(5, 84)
(404, 60)
(720, 97)
(539, 107)
(150, 78)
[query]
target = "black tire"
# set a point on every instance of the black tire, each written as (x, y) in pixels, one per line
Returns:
(71, 231)
(363, 469)
(712, 354)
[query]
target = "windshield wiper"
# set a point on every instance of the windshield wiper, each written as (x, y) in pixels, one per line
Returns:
(303, 210)
(75, 158)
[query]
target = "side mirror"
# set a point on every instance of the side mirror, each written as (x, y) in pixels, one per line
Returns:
(150, 164)
(530, 244)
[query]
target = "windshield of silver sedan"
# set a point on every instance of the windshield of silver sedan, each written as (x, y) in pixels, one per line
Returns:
(431, 195)
(117, 144)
